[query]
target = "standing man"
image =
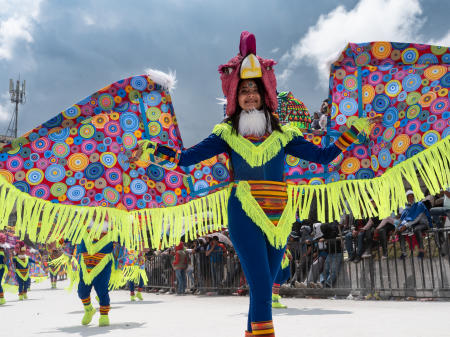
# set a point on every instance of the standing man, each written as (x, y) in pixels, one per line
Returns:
(180, 265)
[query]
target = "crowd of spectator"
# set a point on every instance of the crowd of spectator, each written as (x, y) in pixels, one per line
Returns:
(318, 249)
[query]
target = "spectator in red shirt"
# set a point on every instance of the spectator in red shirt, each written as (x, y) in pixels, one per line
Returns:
(180, 265)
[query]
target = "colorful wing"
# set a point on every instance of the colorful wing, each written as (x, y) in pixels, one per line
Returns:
(80, 158)
(408, 84)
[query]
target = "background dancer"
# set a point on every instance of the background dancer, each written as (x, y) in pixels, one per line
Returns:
(22, 267)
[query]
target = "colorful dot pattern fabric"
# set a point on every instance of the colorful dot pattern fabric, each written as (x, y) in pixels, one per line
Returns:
(80, 157)
(407, 84)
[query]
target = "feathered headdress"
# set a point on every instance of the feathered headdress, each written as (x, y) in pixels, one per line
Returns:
(248, 65)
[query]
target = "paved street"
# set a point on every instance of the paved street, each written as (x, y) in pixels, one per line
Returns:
(58, 313)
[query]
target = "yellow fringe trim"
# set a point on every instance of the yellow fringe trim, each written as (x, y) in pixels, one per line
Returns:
(116, 280)
(23, 277)
(432, 166)
(55, 272)
(276, 235)
(72, 274)
(60, 261)
(130, 229)
(201, 216)
(95, 247)
(134, 273)
(10, 288)
(257, 155)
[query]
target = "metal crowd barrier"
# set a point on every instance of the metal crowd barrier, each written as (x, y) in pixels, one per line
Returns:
(203, 274)
(390, 276)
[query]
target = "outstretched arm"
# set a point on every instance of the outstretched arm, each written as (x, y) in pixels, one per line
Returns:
(301, 148)
(207, 148)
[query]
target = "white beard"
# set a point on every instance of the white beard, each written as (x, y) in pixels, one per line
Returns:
(253, 123)
(21, 256)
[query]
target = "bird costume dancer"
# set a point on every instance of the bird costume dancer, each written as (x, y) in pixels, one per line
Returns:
(22, 268)
(53, 253)
(134, 272)
(258, 212)
(95, 261)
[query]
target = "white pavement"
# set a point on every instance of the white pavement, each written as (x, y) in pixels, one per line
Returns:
(58, 313)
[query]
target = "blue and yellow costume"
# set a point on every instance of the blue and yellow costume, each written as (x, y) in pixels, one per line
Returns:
(95, 263)
(22, 267)
(261, 260)
(260, 217)
(53, 269)
(136, 275)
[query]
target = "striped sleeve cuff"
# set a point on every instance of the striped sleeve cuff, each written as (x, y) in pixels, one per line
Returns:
(347, 138)
(173, 157)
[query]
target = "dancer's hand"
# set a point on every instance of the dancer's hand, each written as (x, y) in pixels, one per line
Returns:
(376, 119)
(136, 155)
(145, 148)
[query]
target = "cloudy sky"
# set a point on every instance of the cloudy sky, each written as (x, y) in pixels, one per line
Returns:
(67, 49)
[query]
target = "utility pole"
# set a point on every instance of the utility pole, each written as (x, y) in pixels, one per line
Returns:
(17, 96)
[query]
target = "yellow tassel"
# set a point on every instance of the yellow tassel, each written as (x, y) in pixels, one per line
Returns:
(203, 215)
(262, 153)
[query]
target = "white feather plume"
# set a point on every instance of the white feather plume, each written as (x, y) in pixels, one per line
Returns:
(166, 80)
(221, 101)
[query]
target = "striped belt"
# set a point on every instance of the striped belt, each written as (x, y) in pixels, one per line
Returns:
(271, 196)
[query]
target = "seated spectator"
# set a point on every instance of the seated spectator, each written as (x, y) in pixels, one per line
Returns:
(439, 215)
(414, 220)
(324, 107)
(383, 231)
(320, 253)
(362, 236)
(429, 199)
(356, 237)
(334, 258)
